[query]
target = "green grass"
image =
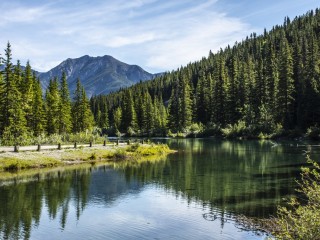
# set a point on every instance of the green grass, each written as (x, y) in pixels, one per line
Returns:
(15, 164)
(131, 153)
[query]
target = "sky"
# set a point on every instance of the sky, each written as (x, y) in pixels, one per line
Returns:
(158, 35)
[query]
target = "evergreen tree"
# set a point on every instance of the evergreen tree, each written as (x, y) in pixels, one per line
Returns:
(117, 118)
(52, 107)
(103, 119)
(64, 120)
(38, 120)
(312, 82)
(86, 114)
(129, 119)
(233, 100)
(160, 115)
(76, 108)
(148, 114)
(27, 88)
(185, 108)
(219, 93)
(13, 117)
(173, 109)
(286, 85)
(82, 116)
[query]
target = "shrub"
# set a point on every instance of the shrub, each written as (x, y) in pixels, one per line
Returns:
(301, 219)
(313, 133)
(195, 129)
(238, 129)
(133, 147)
(93, 156)
(120, 154)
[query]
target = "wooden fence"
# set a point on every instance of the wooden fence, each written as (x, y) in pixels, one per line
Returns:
(59, 146)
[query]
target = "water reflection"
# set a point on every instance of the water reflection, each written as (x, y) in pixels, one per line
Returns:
(222, 178)
(21, 203)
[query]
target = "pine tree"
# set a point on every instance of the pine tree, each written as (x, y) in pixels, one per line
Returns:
(271, 78)
(86, 114)
(64, 120)
(13, 118)
(202, 110)
(312, 82)
(76, 108)
(286, 85)
(233, 100)
(160, 115)
(38, 120)
(148, 114)
(185, 108)
(27, 88)
(52, 107)
(173, 109)
(129, 117)
(104, 119)
(82, 116)
(117, 118)
(219, 93)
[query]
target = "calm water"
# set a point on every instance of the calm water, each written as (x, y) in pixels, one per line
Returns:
(193, 194)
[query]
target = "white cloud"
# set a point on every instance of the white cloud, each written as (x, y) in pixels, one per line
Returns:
(158, 35)
(13, 13)
(120, 41)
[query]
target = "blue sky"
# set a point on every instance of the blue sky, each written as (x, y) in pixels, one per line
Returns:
(158, 35)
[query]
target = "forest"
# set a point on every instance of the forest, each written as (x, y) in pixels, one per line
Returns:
(26, 113)
(264, 86)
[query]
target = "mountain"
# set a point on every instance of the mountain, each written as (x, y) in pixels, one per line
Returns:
(98, 75)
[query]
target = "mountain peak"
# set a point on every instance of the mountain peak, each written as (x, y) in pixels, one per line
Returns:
(99, 75)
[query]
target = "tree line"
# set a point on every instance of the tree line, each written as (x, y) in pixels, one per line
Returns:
(25, 112)
(265, 84)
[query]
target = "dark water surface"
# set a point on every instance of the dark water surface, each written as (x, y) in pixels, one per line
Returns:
(193, 194)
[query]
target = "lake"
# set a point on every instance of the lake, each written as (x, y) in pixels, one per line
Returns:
(195, 193)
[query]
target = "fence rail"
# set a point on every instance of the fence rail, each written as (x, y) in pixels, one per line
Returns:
(59, 146)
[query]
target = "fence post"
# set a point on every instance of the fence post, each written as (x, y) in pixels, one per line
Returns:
(117, 141)
(75, 144)
(16, 148)
(59, 146)
(90, 144)
(39, 148)
(104, 143)
(128, 142)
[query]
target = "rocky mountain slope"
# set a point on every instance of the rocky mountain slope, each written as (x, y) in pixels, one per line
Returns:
(98, 75)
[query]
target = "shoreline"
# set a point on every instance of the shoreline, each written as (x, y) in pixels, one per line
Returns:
(16, 161)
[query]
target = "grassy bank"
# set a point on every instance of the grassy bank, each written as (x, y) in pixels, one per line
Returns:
(27, 160)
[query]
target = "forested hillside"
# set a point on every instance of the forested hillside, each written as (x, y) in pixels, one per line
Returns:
(26, 114)
(264, 85)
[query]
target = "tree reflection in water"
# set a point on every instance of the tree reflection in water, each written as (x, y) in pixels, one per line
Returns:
(226, 177)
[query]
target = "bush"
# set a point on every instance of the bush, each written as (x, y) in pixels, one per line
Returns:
(301, 219)
(278, 131)
(120, 154)
(130, 132)
(313, 133)
(158, 149)
(133, 147)
(211, 129)
(195, 129)
(238, 129)
(28, 139)
(93, 156)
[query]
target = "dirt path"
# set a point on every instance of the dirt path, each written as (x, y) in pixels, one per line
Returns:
(52, 147)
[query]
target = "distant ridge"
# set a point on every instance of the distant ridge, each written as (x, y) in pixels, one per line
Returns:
(98, 75)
